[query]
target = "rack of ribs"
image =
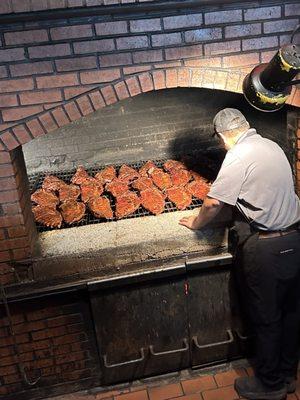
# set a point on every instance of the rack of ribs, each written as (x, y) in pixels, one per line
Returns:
(80, 176)
(90, 190)
(100, 207)
(127, 204)
(153, 200)
(179, 196)
(45, 198)
(72, 211)
(127, 174)
(198, 189)
(47, 216)
(106, 175)
(180, 177)
(169, 165)
(52, 183)
(143, 171)
(160, 178)
(117, 187)
(68, 192)
(142, 183)
(197, 176)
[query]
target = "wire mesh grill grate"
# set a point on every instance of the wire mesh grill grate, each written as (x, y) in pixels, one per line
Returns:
(36, 180)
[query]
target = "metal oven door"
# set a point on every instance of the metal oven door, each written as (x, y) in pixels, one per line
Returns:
(141, 324)
(211, 308)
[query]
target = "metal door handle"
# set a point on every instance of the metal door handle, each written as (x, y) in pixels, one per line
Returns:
(207, 346)
(242, 337)
(142, 351)
(162, 353)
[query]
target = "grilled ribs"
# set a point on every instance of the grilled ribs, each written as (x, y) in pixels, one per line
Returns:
(72, 211)
(179, 196)
(45, 198)
(68, 192)
(142, 183)
(81, 176)
(152, 183)
(52, 183)
(47, 216)
(153, 200)
(127, 204)
(90, 190)
(106, 175)
(143, 171)
(198, 189)
(180, 177)
(197, 176)
(169, 165)
(100, 207)
(127, 174)
(161, 179)
(116, 187)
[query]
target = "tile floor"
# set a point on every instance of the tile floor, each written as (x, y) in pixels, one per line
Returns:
(211, 384)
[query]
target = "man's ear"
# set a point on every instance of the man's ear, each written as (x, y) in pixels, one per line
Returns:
(222, 137)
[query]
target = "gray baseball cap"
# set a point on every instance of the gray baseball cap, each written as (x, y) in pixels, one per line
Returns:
(227, 119)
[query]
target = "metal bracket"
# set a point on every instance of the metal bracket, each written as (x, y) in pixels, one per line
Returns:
(242, 337)
(107, 365)
(210, 345)
(162, 353)
(218, 261)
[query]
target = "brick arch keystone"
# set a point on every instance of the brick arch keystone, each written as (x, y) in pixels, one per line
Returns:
(91, 101)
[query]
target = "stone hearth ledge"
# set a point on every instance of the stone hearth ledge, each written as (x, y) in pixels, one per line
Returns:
(110, 248)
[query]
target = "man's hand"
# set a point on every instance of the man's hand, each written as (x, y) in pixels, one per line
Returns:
(210, 208)
(189, 222)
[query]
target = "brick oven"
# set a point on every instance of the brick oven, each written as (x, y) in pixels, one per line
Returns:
(96, 82)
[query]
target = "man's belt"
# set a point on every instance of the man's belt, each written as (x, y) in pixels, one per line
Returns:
(283, 232)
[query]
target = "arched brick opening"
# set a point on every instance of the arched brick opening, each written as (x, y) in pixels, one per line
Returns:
(17, 227)
(84, 104)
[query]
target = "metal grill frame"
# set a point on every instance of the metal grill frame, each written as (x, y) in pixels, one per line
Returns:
(36, 180)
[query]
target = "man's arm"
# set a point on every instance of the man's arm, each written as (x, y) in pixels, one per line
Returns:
(210, 208)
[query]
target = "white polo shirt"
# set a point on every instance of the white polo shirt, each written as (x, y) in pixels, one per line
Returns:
(257, 178)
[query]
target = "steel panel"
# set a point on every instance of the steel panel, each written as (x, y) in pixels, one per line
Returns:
(141, 329)
(212, 315)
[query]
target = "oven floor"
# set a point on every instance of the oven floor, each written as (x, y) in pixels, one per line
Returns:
(213, 383)
(109, 246)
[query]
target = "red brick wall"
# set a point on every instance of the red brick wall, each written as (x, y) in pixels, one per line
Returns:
(44, 64)
(55, 340)
(17, 6)
(17, 232)
(52, 73)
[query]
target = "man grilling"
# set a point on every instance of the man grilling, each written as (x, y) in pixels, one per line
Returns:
(256, 179)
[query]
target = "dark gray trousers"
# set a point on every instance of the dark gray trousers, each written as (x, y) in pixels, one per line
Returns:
(268, 272)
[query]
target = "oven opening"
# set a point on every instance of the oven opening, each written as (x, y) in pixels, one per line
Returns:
(170, 124)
